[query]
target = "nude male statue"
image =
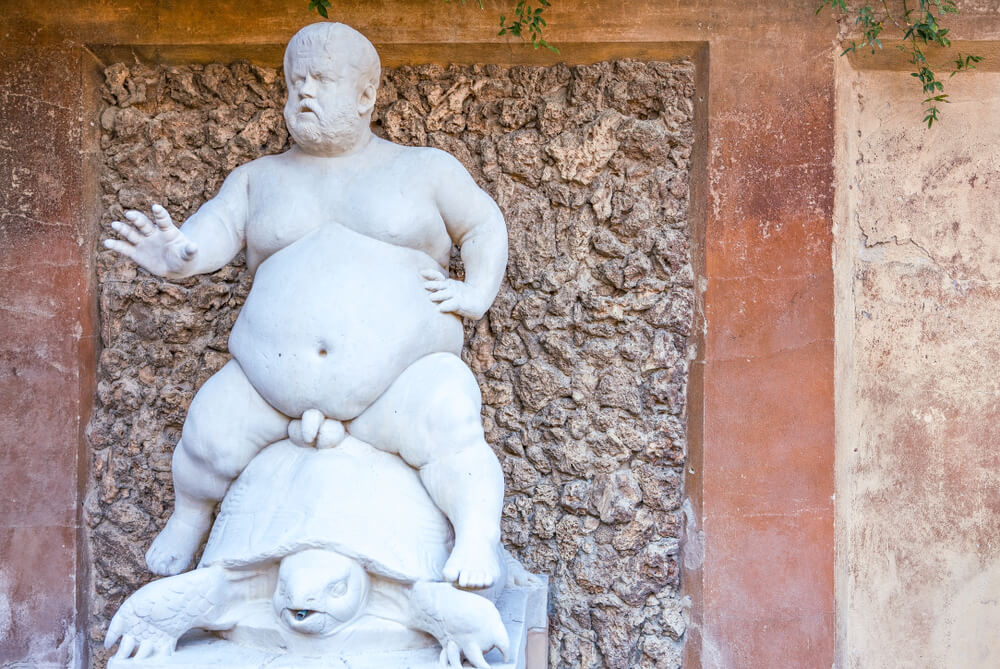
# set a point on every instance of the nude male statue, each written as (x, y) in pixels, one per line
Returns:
(351, 321)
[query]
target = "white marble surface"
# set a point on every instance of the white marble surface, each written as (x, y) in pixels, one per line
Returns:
(522, 608)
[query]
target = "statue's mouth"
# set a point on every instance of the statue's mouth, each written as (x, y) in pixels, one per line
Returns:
(308, 621)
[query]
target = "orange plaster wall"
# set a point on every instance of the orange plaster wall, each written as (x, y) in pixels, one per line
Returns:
(47, 354)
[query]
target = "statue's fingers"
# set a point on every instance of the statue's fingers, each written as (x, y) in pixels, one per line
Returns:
(121, 247)
(162, 218)
(443, 657)
(138, 219)
(144, 226)
(454, 655)
(126, 646)
(127, 231)
(432, 275)
(448, 306)
(435, 285)
(442, 295)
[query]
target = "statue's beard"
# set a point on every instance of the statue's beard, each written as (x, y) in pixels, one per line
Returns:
(325, 131)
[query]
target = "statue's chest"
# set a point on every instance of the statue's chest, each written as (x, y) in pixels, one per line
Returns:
(284, 211)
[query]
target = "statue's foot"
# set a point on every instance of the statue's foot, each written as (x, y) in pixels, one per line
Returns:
(174, 547)
(473, 564)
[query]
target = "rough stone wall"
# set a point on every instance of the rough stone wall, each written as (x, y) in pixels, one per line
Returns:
(582, 359)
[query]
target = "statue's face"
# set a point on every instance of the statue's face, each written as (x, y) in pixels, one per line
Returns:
(318, 592)
(328, 108)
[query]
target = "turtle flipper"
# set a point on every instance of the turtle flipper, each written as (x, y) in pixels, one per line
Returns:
(149, 623)
(463, 623)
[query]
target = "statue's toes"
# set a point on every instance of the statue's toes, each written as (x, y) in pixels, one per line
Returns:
(173, 548)
(472, 566)
(163, 563)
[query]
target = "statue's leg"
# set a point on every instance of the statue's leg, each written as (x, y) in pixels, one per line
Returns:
(227, 424)
(149, 622)
(430, 416)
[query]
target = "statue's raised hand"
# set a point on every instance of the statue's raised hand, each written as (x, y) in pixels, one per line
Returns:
(160, 247)
(454, 296)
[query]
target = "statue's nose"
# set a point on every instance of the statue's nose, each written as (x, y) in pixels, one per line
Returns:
(308, 88)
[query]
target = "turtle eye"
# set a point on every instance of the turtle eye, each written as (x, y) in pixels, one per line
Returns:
(302, 614)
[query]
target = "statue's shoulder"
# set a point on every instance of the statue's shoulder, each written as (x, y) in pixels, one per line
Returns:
(262, 165)
(428, 158)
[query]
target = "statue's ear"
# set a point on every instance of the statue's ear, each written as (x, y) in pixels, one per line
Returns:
(366, 100)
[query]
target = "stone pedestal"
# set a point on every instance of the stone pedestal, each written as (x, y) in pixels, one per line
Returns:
(523, 609)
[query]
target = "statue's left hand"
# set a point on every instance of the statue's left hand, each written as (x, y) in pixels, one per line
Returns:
(453, 296)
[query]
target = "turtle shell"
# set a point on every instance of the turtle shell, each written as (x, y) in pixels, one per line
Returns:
(353, 499)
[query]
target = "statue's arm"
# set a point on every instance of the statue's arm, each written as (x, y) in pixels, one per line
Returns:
(218, 228)
(206, 242)
(476, 225)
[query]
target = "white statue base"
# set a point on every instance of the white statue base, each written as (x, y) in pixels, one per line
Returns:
(522, 609)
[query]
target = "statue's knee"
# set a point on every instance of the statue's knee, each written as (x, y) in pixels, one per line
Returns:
(211, 445)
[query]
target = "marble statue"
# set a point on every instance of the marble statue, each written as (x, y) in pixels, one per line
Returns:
(362, 559)
(346, 356)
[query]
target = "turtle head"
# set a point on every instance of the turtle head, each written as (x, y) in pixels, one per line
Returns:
(319, 592)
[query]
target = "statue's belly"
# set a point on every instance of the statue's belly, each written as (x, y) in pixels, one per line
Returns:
(334, 318)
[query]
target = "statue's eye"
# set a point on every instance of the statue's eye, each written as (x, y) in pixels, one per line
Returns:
(302, 614)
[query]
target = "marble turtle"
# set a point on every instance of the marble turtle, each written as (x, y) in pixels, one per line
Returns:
(318, 551)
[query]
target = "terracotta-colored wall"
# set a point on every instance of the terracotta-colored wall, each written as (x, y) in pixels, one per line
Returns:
(46, 347)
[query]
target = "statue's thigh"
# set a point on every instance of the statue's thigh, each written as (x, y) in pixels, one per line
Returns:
(430, 411)
(229, 422)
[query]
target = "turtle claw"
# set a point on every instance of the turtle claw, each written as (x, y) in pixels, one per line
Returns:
(144, 640)
(451, 655)
(462, 622)
(125, 646)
